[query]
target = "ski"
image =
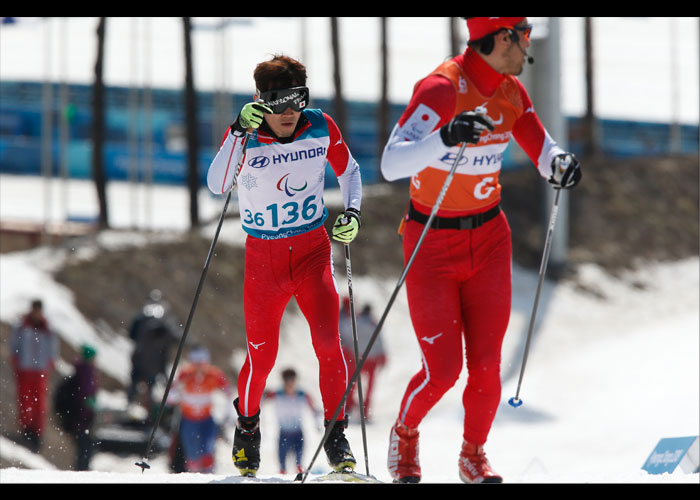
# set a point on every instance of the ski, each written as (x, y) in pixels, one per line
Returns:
(255, 478)
(345, 476)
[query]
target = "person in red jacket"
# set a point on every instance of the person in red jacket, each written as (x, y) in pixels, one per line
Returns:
(459, 286)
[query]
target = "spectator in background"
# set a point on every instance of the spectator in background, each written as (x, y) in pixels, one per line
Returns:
(376, 359)
(155, 307)
(34, 347)
(153, 333)
(86, 402)
(75, 405)
(290, 402)
(193, 390)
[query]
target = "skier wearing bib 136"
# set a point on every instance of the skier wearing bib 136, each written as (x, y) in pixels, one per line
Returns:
(459, 288)
(287, 250)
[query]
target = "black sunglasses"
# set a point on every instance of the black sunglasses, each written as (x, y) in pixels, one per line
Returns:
(278, 100)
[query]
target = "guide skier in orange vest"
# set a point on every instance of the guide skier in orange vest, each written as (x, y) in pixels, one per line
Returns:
(459, 286)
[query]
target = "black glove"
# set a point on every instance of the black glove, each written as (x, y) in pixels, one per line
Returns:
(566, 171)
(465, 127)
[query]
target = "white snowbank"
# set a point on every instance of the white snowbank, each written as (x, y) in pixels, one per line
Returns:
(606, 379)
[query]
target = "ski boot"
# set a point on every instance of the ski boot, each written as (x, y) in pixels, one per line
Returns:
(403, 463)
(337, 448)
(246, 443)
(474, 467)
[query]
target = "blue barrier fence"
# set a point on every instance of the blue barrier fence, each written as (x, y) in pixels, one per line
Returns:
(21, 126)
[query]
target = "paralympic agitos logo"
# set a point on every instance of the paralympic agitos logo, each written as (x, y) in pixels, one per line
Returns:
(283, 185)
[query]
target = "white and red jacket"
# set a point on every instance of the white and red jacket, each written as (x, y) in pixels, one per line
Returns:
(281, 184)
(34, 347)
(415, 148)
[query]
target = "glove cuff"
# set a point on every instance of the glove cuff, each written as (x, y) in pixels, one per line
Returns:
(446, 136)
(353, 212)
(237, 127)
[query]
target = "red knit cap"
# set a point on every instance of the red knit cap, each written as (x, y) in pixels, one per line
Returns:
(479, 27)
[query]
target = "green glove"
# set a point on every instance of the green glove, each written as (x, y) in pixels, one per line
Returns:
(252, 115)
(346, 226)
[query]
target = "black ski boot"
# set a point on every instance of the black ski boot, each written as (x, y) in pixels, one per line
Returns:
(246, 443)
(338, 452)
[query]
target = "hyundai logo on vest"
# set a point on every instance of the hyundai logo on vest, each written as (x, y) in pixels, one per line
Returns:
(259, 162)
(305, 154)
(481, 160)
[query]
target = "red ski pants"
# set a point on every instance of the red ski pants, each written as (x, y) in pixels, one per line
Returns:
(459, 298)
(275, 270)
(31, 396)
(369, 371)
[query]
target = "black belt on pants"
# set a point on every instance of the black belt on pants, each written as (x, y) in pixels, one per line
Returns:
(466, 222)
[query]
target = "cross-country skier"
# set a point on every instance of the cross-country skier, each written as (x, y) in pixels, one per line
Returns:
(288, 251)
(459, 286)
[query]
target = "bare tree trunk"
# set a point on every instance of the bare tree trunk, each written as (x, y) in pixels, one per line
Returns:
(191, 126)
(383, 125)
(590, 133)
(339, 116)
(98, 117)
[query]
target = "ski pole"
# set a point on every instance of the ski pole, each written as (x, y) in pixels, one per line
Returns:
(402, 278)
(144, 462)
(348, 269)
(515, 401)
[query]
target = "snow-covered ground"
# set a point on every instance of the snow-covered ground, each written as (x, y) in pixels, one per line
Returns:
(613, 368)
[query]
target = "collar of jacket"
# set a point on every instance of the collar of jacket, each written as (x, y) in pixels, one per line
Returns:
(39, 327)
(486, 79)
